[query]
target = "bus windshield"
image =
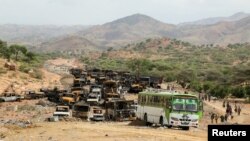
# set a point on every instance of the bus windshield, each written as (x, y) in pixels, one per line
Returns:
(185, 104)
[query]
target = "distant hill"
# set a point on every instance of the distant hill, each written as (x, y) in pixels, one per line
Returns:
(214, 20)
(130, 29)
(69, 43)
(137, 27)
(127, 29)
(220, 33)
(35, 34)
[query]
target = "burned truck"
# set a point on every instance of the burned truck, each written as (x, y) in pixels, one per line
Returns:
(62, 111)
(76, 72)
(96, 113)
(120, 110)
(81, 110)
(85, 111)
(95, 96)
(110, 89)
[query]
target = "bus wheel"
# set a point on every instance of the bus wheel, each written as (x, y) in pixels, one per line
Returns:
(185, 128)
(169, 126)
(146, 119)
(161, 121)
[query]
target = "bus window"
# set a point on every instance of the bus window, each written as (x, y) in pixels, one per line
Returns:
(178, 104)
(156, 100)
(191, 105)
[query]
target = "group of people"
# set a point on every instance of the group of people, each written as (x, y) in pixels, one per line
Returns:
(228, 114)
(223, 118)
(205, 97)
(229, 111)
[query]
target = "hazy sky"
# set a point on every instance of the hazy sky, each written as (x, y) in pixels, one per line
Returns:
(88, 12)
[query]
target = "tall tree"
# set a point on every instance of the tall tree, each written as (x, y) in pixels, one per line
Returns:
(16, 49)
(4, 50)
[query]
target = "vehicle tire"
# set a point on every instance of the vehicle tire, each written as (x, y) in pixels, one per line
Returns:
(1, 100)
(19, 100)
(145, 118)
(161, 121)
(169, 126)
(185, 128)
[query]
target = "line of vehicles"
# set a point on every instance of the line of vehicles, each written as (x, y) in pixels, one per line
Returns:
(99, 96)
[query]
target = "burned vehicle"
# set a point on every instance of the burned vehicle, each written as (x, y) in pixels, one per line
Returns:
(95, 95)
(94, 73)
(110, 89)
(31, 94)
(135, 88)
(76, 72)
(81, 110)
(68, 99)
(96, 113)
(10, 96)
(62, 111)
(100, 79)
(120, 110)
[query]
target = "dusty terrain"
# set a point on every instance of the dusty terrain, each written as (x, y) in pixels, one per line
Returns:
(26, 120)
(95, 131)
(22, 81)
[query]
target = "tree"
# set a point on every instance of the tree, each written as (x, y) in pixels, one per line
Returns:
(207, 86)
(219, 91)
(195, 85)
(16, 49)
(4, 50)
(247, 90)
(30, 56)
(110, 49)
(238, 92)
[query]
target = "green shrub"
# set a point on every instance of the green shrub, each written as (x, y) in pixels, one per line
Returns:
(25, 68)
(37, 74)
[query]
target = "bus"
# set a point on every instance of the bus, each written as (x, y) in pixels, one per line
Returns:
(169, 108)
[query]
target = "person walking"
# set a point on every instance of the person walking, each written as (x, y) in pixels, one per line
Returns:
(239, 110)
(224, 104)
(212, 117)
(222, 118)
(235, 109)
(226, 116)
(216, 118)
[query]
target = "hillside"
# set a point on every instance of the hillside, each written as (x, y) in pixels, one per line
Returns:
(125, 30)
(176, 60)
(24, 81)
(69, 43)
(233, 29)
(214, 20)
(220, 33)
(35, 34)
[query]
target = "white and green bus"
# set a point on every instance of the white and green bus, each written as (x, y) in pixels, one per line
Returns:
(169, 109)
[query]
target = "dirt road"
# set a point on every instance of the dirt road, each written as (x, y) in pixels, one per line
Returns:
(90, 131)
